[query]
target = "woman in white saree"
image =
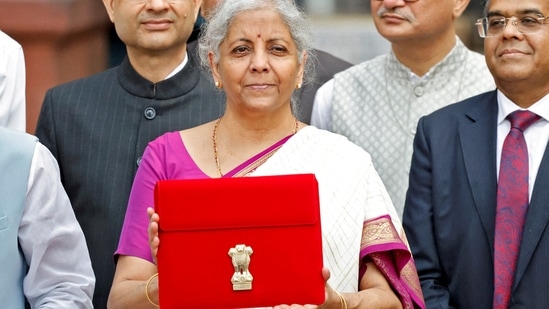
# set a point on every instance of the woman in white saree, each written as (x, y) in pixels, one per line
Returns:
(257, 51)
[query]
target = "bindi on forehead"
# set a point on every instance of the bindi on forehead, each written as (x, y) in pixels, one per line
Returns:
(259, 35)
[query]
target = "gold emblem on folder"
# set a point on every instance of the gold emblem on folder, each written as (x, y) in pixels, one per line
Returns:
(242, 278)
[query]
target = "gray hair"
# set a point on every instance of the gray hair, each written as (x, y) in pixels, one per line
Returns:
(215, 31)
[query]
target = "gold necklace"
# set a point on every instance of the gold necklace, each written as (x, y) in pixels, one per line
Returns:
(214, 142)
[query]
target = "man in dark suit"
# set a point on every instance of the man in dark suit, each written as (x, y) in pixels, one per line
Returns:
(98, 127)
(466, 190)
(325, 66)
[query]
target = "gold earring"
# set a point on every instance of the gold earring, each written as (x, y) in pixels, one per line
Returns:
(298, 85)
(218, 85)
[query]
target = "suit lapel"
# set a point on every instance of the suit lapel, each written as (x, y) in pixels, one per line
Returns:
(478, 138)
(478, 141)
(536, 218)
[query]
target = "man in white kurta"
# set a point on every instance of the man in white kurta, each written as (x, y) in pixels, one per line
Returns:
(377, 104)
(12, 84)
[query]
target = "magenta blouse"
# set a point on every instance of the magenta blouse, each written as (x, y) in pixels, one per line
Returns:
(164, 158)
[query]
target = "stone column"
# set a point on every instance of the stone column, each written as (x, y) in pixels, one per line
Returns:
(62, 40)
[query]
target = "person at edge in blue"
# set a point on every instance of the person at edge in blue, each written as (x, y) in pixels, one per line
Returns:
(44, 260)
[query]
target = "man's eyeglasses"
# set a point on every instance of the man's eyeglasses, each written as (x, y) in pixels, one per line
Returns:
(494, 25)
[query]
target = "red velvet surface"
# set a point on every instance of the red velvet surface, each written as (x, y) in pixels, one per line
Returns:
(200, 220)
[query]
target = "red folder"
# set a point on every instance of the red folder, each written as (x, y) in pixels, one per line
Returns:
(239, 242)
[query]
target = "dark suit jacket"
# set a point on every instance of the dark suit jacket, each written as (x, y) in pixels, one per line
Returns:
(450, 210)
(98, 127)
(325, 66)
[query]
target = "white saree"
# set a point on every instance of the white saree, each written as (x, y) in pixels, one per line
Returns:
(350, 190)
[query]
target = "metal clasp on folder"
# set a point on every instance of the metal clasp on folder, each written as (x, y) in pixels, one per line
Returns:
(242, 278)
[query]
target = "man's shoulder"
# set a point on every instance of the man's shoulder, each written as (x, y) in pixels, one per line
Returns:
(474, 104)
(8, 133)
(8, 43)
(330, 61)
(370, 66)
(474, 53)
(327, 65)
(15, 144)
(474, 58)
(88, 82)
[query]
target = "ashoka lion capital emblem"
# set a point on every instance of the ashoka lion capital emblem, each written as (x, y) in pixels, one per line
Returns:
(242, 278)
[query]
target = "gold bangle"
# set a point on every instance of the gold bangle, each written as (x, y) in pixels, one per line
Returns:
(147, 290)
(342, 300)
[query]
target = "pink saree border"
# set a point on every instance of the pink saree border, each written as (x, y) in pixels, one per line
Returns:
(254, 162)
(382, 244)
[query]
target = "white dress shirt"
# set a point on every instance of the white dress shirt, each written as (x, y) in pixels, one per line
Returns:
(12, 84)
(536, 135)
(60, 274)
